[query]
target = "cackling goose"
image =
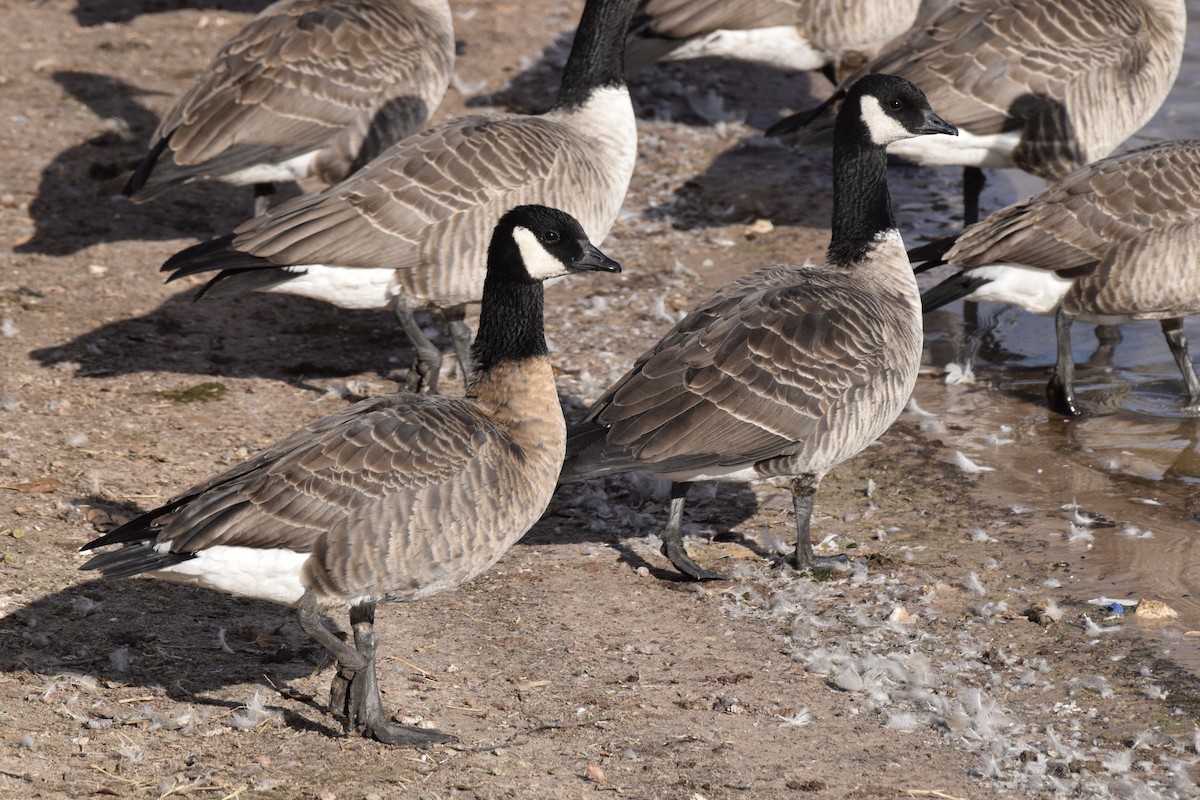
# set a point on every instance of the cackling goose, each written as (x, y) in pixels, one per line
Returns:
(308, 87)
(790, 370)
(394, 498)
(1113, 242)
(425, 206)
(1047, 87)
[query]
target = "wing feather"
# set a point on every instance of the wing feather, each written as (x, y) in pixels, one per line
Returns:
(754, 373)
(297, 490)
(303, 76)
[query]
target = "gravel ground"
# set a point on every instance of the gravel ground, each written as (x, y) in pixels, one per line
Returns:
(959, 659)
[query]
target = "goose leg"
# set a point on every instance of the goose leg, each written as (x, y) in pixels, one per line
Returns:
(973, 183)
(263, 192)
(364, 706)
(460, 335)
(1173, 331)
(672, 538)
(1060, 392)
(1108, 336)
(804, 489)
(349, 660)
(429, 358)
(354, 693)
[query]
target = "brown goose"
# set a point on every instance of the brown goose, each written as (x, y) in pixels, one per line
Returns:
(1047, 87)
(788, 34)
(425, 206)
(1113, 242)
(308, 87)
(789, 370)
(393, 498)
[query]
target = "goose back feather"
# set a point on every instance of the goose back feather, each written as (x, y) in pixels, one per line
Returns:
(308, 87)
(424, 208)
(1120, 236)
(768, 377)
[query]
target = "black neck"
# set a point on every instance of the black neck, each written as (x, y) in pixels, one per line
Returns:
(598, 54)
(862, 207)
(510, 323)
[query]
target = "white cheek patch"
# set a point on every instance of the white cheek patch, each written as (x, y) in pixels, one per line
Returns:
(883, 127)
(538, 262)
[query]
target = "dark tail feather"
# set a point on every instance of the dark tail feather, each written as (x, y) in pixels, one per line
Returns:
(206, 257)
(133, 559)
(246, 279)
(949, 290)
(240, 271)
(931, 254)
(138, 529)
(137, 535)
(580, 438)
(141, 173)
(644, 48)
(588, 456)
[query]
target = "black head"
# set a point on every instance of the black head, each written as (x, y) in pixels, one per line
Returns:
(530, 245)
(534, 243)
(887, 109)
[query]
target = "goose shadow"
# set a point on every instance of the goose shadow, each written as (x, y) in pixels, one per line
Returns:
(89, 13)
(756, 178)
(621, 510)
(703, 92)
(763, 178)
(698, 92)
(182, 640)
(265, 336)
(70, 211)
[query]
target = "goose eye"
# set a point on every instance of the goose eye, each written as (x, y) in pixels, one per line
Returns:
(550, 237)
(896, 104)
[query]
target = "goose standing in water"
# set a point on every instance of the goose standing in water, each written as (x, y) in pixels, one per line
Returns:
(394, 498)
(424, 208)
(1113, 242)
(308, 87)
(790, 370)
(1047, 87)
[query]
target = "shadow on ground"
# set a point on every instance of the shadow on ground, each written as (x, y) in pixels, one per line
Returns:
(70, 211)
(275, 337)
(99, 12)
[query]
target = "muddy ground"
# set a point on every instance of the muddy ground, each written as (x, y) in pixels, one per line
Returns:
(959, 659)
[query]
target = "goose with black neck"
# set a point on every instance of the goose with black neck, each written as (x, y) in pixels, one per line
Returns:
(410, 230)
(790, 370)
(393, 498)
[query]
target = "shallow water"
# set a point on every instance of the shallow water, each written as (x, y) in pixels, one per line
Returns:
(1136, 462)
